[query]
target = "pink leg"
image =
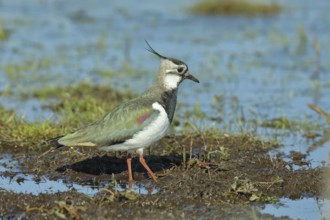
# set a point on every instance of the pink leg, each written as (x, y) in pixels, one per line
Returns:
(129, 166)
(143, 162)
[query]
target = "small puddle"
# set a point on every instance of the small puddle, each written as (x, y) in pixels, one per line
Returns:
(8, 164)
(13, 180)
(305, 208)
(304, 153)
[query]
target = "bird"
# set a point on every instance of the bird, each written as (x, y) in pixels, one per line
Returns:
(138, 123)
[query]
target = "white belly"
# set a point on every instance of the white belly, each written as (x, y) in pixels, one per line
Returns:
(150, 134)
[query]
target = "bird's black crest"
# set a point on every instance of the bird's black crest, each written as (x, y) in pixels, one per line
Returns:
(151, 50)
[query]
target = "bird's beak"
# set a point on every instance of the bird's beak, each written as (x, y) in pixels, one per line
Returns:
(191, 77)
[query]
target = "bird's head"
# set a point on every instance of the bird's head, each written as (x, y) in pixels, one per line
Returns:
(172, 71)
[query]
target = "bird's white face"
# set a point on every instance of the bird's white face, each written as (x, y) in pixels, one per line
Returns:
(173, 73)
(172, 81)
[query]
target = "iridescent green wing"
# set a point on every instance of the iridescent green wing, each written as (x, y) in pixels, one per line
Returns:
(116, 127)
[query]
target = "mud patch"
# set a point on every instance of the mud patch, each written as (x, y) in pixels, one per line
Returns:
(200, 176)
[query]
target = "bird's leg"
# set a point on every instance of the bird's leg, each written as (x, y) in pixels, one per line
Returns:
(143, 162)
(129, 166)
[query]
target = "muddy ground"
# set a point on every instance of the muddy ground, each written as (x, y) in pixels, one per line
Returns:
(220, 176)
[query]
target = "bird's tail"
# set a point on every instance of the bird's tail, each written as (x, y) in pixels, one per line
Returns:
(55, 142)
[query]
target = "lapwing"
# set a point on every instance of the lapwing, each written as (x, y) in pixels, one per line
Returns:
(137, 123)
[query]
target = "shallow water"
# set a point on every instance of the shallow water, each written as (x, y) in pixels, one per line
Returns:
(25, 183)
(13, 179)
(305, 208)
(267, 67)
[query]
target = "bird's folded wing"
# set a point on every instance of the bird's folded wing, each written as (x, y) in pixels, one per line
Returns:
(116, 127)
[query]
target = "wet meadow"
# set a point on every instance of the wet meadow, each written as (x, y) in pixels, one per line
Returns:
(250, 141)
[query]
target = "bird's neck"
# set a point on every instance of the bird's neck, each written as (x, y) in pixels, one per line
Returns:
(169, 99)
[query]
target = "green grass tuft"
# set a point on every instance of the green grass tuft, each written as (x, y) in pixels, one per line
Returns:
(3, 33)
(15, 131)
(235, 7)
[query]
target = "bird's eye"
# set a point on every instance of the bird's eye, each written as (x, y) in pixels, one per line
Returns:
(180, 69)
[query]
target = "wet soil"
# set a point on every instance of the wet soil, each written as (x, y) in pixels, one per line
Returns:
(201, 176)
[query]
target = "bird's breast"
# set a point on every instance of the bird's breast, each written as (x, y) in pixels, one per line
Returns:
(150, 134)
(154, 131)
